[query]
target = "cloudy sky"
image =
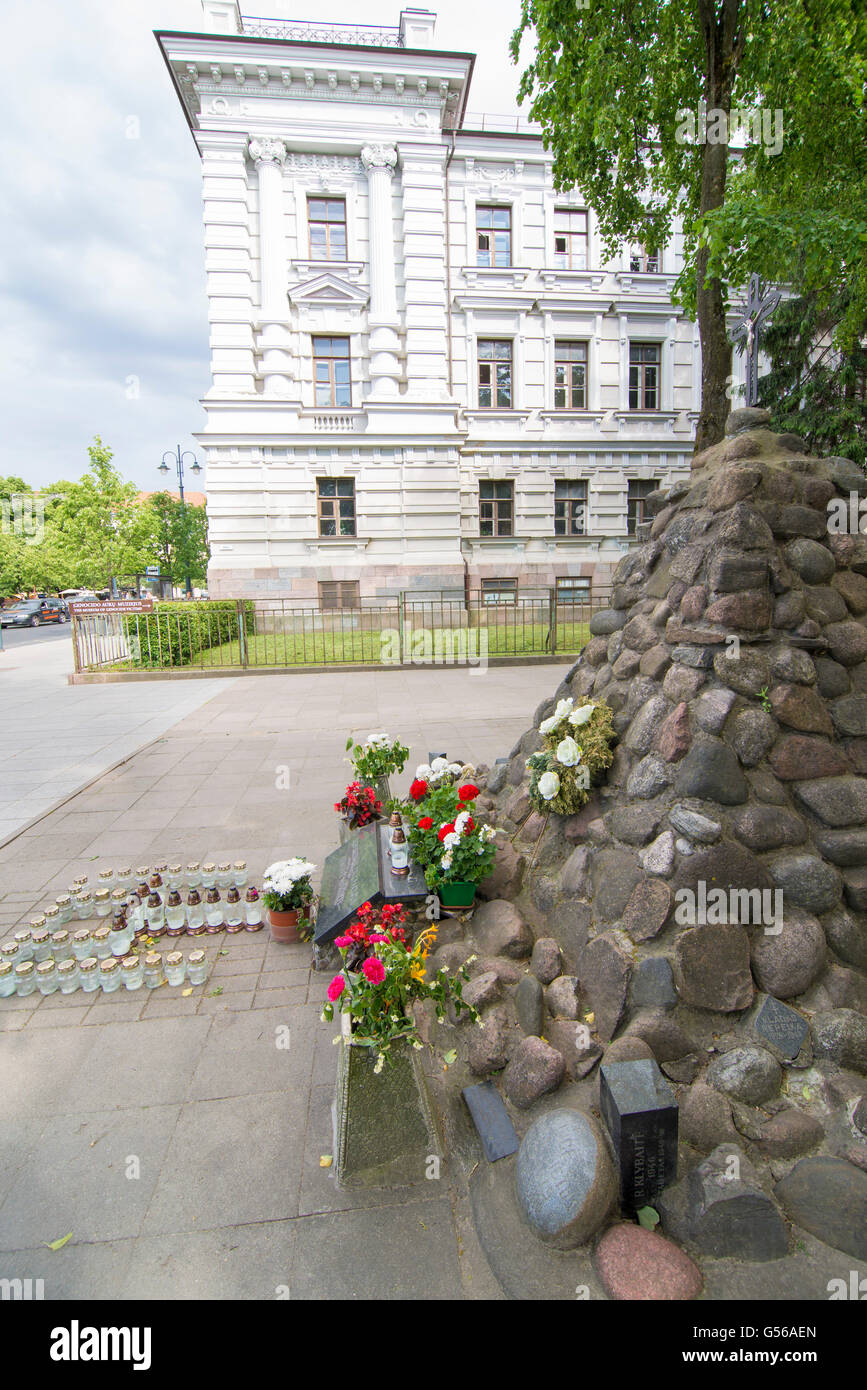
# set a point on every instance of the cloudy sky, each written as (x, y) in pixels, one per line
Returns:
(102, 282)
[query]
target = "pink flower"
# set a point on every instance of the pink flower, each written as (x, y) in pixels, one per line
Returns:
(374, 970)
(341, 942)
(336, 988)
(374, 939)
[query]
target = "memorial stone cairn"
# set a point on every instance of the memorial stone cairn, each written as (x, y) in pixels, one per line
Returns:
(679, 968)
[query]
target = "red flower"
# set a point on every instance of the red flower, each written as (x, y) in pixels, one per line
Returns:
(336, 988)
(398, 934)
(468, 793)
(470, 826)
(373, 970)
(445, 830)
(418, 789)
(425, 823)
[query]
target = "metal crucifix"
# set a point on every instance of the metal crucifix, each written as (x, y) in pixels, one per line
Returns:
(758, 308)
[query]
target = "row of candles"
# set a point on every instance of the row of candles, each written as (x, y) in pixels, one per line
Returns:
(47, 956)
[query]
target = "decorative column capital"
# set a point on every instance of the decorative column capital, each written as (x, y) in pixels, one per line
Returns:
(379, 157)
(267, 151)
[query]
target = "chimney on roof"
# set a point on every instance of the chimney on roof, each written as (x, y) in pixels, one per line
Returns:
(222, 17)
(417, 28)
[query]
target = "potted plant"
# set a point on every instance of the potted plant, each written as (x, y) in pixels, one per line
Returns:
(359, 806)
(384, 1126)
(376, 759)
(288, 894)
(454, 850)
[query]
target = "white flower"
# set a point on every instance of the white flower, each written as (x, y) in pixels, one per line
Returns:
(564, 707)
(455, 769)
(461, 820)
(568, 752)
(439, 764)
(446, 861)
(549, 785)
(581, 716)
(452, 839)
(417, 1046)
(548, 724)
(379, 1063)
(422, 772)
(373, 740)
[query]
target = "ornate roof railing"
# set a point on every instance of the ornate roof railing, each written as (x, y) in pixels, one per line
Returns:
(316, 31)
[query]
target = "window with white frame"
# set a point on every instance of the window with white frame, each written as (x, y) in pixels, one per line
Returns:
(641, 260)
(570, 375)
(644, 376)
(570, 507)
(495, 373)
(570, 239)
(493, 235)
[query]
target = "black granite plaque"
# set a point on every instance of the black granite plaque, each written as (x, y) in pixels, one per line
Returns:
(358, 872)
(491, 1119)
(640, 1113)
(782, 1026)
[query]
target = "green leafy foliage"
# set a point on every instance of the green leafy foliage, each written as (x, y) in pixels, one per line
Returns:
(174, 634)
(378, 757)
(576, 752)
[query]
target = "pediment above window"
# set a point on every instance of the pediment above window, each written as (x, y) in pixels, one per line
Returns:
(328, 289)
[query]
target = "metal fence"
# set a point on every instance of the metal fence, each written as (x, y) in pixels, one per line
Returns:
(407, 630)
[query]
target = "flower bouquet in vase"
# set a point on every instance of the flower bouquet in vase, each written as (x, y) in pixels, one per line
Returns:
(288, 893)
(375, 760)
(359, 806)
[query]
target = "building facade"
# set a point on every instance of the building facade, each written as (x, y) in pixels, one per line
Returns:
(425, 375)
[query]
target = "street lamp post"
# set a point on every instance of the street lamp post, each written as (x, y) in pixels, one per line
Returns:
(178, 460)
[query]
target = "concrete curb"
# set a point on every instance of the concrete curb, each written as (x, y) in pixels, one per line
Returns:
(208, 672)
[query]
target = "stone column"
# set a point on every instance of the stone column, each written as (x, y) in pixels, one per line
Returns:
(380, 161)
(269, 155)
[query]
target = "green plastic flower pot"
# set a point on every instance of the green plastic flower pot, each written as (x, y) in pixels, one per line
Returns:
(457, 894)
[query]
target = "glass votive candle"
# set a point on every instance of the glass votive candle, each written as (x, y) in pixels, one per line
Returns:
(120, 937)
(109, 974)
(234, 911)
(83, 905)
(106, 879)
(88, 974)
(175, 915)
(7, 978)
(52, 918)
(154, 916)
(214, 911)
(119, 898)
(46, 977)
(253, 910)
(102, 902)
(175, 876)
(67, 976)
(64, 907)
(82, 943)
(132, 972)
(239, 873)
(153, 969)
(61, 944)
(143, 889)
(209, 875)
(102, 943)
(41, 938)
(24, 937)
(175, 968)
(79, 884)
(10, 950)
(195, 913)
(197, 967)
(224, 875)
(123, 878)
(194, 874)
(158, 876)
(25, 977)
(42, 920)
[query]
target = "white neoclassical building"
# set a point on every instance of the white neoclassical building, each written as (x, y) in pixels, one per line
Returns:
(426, 376)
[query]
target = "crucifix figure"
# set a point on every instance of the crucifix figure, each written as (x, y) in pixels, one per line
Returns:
(758, 308)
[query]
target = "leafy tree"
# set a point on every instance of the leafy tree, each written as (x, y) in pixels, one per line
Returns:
(179, 538)
(620, 90)
(813, 387)
(101, 528)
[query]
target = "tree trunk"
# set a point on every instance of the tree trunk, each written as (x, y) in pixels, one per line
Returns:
(722, 50)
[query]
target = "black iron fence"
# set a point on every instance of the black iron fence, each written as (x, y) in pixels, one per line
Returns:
(407, 630)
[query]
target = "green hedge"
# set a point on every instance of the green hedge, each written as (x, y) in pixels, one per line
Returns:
(175, 633)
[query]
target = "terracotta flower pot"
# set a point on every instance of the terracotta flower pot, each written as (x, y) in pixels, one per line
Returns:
(284, 925)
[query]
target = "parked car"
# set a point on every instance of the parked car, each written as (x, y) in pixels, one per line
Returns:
(34, 612)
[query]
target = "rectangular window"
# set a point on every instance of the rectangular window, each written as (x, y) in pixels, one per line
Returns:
(493, 236)
(570, 376)
(570, 239)
(336, 505)
(331, 371)
(496, 507)
(638, 488)
(495, 374)
(570, 508)
(499, 590)
(339, 593)
(570, 590)
(644, 376)
(643, 260)
(326, 219)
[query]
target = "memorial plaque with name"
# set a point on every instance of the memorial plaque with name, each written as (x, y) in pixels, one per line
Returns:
(358, 872)
(640, 1113)
(782, 1026)
(491, 1119)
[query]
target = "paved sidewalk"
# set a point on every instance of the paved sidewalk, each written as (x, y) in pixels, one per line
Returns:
(55, 738)
(172, 1136)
